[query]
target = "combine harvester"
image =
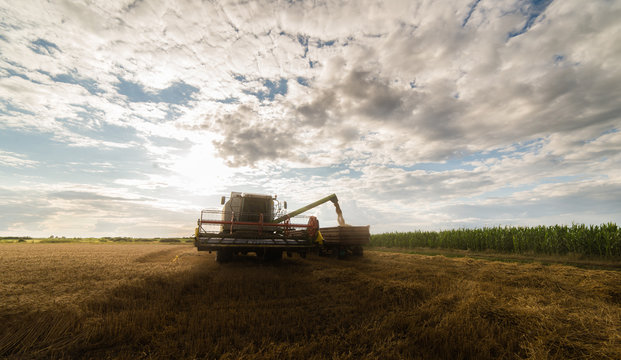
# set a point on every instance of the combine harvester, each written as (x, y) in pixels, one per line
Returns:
(252, 223)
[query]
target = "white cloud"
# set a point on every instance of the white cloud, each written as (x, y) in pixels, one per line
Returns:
(15, 160)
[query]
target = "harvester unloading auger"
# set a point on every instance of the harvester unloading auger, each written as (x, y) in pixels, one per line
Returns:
(259, 223)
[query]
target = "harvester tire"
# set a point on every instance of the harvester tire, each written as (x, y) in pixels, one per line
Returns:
(273, 255)
(357, 251)
(224, 255)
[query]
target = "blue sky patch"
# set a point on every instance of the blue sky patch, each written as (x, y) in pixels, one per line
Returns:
(15, 73)
(228, 100)
(57, 159)
(302, 81)
(43, 47)
(103, 131)
(321, 43)
(452, 164)
(179, 93)
(89, 84)
(531, 11)
(303, 40)
(473, 7)
(240, 78)
(273, 88)
(135, 92)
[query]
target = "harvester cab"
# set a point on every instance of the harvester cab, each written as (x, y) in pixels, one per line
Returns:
(243, 207)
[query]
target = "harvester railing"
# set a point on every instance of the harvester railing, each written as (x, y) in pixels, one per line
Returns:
(212, 221)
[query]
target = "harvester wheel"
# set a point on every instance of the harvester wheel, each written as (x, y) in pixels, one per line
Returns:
(273, 255)
(224, 255)
(357, 251)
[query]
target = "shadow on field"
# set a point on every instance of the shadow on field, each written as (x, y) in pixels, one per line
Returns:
(315, 308)
(206, 311)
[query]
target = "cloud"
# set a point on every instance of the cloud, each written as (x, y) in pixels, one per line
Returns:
(10, 159)
(43, 211)
(420, 112)
(246, 139)
(83, 195)
(358, 93)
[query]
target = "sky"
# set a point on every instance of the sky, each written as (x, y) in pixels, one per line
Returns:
(126, 118)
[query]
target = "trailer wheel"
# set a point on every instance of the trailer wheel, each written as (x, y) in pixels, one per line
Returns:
(341, 253)
(224, 255)
(357, 251)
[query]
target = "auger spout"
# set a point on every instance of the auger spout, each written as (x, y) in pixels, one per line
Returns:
(332, 198)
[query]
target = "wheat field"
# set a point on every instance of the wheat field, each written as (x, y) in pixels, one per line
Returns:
(149, 301)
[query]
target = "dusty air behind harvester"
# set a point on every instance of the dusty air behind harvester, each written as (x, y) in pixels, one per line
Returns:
(254, 223)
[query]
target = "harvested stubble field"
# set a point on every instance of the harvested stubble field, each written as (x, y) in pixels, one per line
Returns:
(169, 301)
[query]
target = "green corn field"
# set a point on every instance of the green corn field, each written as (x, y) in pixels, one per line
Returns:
(579, 239)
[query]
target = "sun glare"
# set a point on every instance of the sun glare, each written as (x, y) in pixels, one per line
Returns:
(201, 170)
